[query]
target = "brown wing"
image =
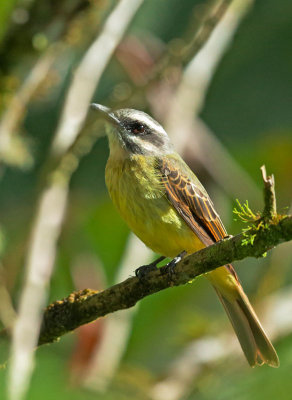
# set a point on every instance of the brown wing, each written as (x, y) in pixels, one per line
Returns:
(192, 202)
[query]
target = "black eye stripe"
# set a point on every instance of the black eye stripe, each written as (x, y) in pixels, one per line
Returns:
(136, 128)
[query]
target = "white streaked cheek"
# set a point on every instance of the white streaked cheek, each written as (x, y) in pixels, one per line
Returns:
(147, 147)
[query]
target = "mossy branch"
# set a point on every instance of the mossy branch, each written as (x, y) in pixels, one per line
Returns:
(87, 305)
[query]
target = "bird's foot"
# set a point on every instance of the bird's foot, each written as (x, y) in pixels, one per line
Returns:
(144, 270)
(172, 264)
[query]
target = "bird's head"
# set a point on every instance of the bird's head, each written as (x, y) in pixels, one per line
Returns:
(134, 132)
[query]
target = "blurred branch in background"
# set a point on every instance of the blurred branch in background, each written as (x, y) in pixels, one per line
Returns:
(184, 372)
(276, 272)
(13, 150)
(211, 14)
(107, 356)
(35, 25)
(177, 54)
(7, 312)
(87, 270)
(190, 95)
(40, 47)
(53, 200)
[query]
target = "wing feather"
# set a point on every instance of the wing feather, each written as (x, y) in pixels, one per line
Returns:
(192, 202)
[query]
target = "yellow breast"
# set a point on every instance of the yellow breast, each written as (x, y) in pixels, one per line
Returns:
(136, 191)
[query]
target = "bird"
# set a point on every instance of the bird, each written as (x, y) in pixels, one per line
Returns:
(167, 207)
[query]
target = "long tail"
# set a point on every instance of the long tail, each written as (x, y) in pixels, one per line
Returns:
(253, 340)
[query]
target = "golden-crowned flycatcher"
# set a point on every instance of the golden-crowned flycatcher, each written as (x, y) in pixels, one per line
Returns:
(166, 206)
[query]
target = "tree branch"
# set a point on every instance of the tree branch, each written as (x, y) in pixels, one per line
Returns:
(85, 306)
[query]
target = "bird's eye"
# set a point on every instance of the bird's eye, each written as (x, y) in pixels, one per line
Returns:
(137, 128)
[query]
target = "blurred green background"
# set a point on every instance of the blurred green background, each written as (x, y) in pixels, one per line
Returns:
(248, 108)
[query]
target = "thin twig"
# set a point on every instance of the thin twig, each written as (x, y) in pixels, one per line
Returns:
(214, 11)
(270, 210)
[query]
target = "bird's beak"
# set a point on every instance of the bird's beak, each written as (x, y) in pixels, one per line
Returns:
(106, 113)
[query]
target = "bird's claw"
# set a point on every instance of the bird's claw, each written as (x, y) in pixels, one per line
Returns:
(144, 270)
(172, 264)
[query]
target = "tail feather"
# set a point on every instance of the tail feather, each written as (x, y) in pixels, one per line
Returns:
(253, 340)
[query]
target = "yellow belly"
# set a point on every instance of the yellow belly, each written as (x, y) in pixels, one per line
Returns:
(137, 193)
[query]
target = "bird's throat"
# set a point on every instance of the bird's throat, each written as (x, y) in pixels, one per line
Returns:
(117, 150)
